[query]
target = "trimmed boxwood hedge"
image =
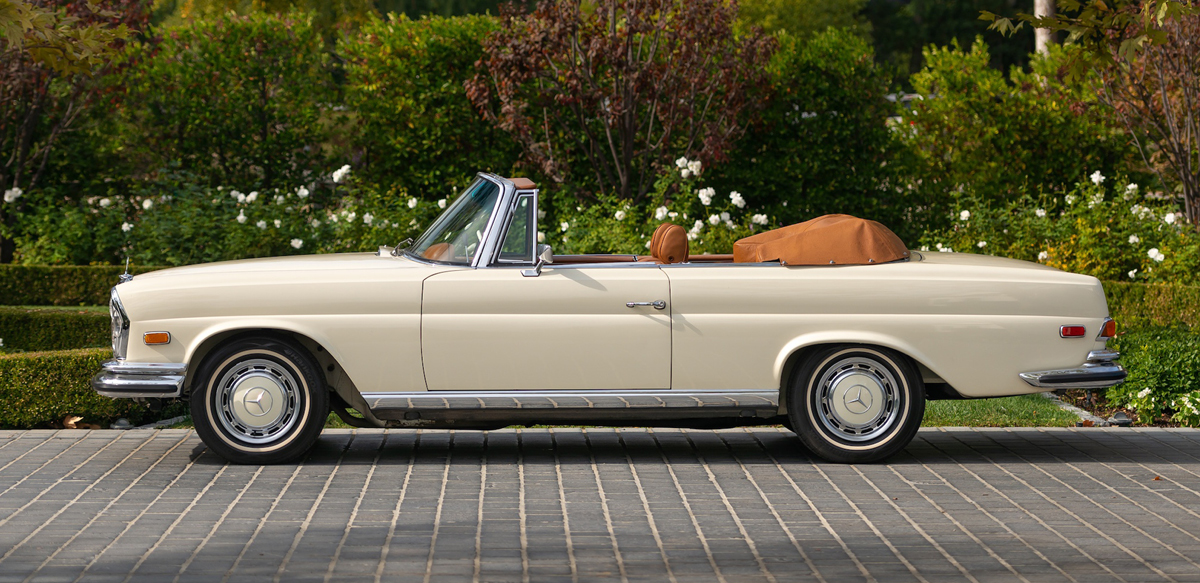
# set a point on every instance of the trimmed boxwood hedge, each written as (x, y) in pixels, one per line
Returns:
(1138, 305)
(38, 389)
(60, 285)
(29, 328)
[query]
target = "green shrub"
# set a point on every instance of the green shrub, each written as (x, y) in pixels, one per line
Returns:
(40, 388)
(822, 144)
(1105, 228)
(1164, 374)
(53, 329)
(994, 138)
(1136, 305)
(238, 100)
(416, 128)
(76, 285)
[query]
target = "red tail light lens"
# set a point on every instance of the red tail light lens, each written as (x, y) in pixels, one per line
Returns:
(1072, 331)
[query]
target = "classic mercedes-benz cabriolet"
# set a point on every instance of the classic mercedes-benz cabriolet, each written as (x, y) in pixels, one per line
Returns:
(831, 327)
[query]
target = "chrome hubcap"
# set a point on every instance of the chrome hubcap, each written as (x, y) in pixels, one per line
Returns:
(257, 400)
(857, 399)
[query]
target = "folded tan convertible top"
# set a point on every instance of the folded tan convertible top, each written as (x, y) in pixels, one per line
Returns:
(830, 239)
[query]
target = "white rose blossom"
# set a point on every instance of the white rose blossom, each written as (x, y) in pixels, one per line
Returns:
(759, 219)
(368, 219)
(685, 173)
(694, 166)
(981, 244)
(1169, 218)
(147, 204)
(241, 198)
(252, 196)
(706, 195)
(441, 203)
(1142, 394)
(302, 192)
(1133, 274)
(681, 163)
(12, 194)
(104, 203)
(126, 227)
(714, 220)
(340, 173)
(1097, 178)
(564, 226)
(737, 199)
(724, 216)
(261, 224)
(412, 203)
(672, 215)
(297, 243)
(965, 215)
(1131, 187)
(1156, 255)
(660, 213)
(241, 218)
(278, 223)
(1070, 198)
(315, 223)
(541, 238)
(1040, 213)
(1042, 256)
(1134, 239)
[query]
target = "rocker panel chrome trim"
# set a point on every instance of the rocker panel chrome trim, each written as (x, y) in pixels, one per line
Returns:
(591, 399)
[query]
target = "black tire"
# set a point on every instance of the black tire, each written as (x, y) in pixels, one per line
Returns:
(234, 383)
(856, 404)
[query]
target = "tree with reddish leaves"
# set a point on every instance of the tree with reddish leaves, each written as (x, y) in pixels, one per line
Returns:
(609, 93)
(52, 56)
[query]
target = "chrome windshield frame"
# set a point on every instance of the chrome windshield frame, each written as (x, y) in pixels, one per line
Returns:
(489, 240)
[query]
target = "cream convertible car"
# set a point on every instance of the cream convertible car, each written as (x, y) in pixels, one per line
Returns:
(831, 327)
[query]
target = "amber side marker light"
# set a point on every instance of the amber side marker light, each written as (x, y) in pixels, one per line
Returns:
(1072, 331)
(155, 338)
(1109, 329)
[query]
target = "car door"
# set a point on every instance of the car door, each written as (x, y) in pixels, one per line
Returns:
(503, 327)
(568, 328)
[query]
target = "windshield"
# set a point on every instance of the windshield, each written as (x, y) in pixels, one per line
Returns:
(457, 235)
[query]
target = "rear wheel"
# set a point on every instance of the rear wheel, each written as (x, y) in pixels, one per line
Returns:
(856, 404)
(259, 400)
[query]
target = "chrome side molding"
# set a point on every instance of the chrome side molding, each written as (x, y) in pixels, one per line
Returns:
(579, 400)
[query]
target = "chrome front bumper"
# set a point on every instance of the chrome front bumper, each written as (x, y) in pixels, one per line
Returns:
(140, 379)
(1099, 372)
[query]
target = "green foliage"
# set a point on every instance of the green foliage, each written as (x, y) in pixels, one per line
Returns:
(611, 225)
(1022, 411)
(804, 18)
(74, 285)
(235, 100)
(49, 329)
(1164, 374)
(1111, 232)
(65, 42)
(1138, 305)
(975, 131)
(416, 127)
(40, 388)
(823, 145)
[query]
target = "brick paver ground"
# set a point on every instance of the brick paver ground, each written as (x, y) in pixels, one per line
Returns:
(1086, 505)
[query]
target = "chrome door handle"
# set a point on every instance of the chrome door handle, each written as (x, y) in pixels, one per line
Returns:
(658, 304)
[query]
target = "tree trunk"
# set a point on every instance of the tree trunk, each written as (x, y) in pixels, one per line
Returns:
(1043, 37)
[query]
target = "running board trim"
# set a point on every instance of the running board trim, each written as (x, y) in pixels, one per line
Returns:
(586, 399)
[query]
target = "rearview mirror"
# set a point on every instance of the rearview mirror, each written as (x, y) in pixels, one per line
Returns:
(546, 255)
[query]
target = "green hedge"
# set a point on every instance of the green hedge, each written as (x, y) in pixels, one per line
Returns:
(60, 285)
(40, 388)
(53, 328)
(1164, 374)
(1137, 305)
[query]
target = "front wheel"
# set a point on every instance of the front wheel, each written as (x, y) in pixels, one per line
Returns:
(259, 400)
(856, 404)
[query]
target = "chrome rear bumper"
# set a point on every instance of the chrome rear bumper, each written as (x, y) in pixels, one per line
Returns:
(1099, 372)
(140, 379)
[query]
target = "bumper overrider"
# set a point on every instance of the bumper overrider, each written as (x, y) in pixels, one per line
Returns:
(1098, 372)
(140, 379)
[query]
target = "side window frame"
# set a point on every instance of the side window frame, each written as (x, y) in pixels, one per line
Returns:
(531, 229)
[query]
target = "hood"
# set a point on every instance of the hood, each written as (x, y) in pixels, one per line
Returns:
(331, 262)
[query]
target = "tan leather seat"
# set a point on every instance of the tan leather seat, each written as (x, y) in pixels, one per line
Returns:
(669, 244)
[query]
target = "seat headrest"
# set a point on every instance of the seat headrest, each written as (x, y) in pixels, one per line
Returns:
(669, 244)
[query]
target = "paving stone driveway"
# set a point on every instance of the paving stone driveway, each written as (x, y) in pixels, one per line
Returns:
(1086, 505)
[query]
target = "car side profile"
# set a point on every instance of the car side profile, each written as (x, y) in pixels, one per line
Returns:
(831, 327)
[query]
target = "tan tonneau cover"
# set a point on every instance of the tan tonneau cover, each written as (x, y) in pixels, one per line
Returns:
(831, 239)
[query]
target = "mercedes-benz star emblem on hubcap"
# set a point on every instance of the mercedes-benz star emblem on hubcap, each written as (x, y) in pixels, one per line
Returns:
(858, 399)
(257, 402)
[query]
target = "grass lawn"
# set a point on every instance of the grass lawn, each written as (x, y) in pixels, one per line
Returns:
(1022, 411)
(94, 309)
